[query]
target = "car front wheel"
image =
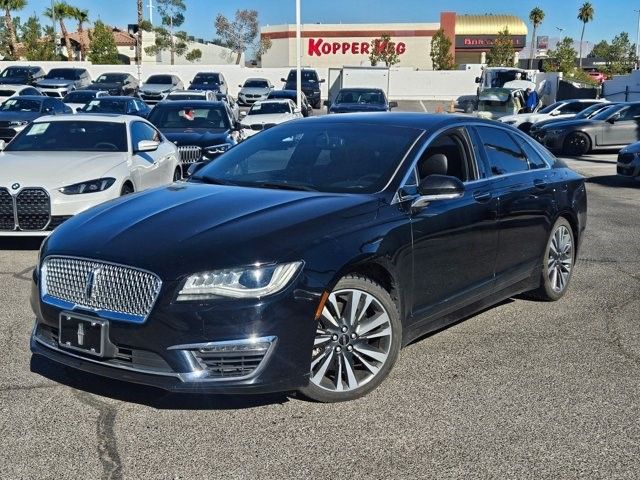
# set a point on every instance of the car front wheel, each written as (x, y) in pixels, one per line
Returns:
(358, 338)
(576, 144)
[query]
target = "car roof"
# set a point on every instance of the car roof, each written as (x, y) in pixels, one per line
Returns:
(361, 89)
(190, 103)
(17, 86)
(91, 117)
(114, 97)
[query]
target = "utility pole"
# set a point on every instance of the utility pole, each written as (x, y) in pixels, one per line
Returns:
(638, 42)
(150, 11)
(298, 71)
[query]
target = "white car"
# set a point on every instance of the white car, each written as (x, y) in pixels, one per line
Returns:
(8, 91)
(268, 113)
(565, 109)
(77, 99)
(59, 166)
(206, 95)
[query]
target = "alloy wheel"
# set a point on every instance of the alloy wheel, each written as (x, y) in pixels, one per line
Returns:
(353, 341)
(560, 259)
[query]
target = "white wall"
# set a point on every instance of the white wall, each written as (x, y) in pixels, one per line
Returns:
(614, 89)
(404, 84)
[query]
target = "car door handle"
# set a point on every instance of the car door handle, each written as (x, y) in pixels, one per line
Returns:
(482, 196)
(540, 184)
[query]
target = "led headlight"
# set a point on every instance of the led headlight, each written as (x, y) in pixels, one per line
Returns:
(90, 186)
(249, 282)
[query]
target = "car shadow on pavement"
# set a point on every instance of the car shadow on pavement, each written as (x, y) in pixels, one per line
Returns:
(614, 181)
(21, 243)
(591, 160)
(147, 395)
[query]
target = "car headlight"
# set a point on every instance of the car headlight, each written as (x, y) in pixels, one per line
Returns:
(90, 186)
(249, 282)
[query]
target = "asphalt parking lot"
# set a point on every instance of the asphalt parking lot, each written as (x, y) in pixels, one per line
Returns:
(522, 390)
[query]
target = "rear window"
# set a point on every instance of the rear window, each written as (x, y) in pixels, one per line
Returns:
(256, 84)
(207, 78)
(189, 117)
(63, 74)
(160, 79)
(80, 97)
(308, 76)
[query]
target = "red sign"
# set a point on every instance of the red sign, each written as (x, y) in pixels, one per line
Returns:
(319, 47)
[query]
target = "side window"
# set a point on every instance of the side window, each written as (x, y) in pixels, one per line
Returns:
(58, 107)
(131, 106)
(140, 104)
(630, 113)
(503, 153)
(141, 131)
(446, 155)
(48, 106)
(29, 91)
(535, 159)
(573, 107)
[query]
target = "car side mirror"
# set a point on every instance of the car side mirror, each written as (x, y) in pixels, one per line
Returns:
(436, 188)
(393, 104)
(283, 80)
(327, 103)
(297, 110)
(243, 114)
(478, 80)
(613, 119)
(555, 113)
(240, 86)
(147, 146)
(321, 80)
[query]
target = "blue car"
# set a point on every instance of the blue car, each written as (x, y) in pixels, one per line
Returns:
(350, 100)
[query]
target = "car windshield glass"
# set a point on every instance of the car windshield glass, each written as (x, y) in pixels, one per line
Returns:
(495, 106)
(207, 78)
(551, 107)
(360, 96)
(592, 110)
(189, 117)
(62, 74)
(6, 93)
(79, 97)
(256, 84)
(308, 76)
(500, 77)
(72, 136)
(336, 157)
(160, 79)
(20, 105)
(111, 78)
(105, 106)
(606, 114)
(267, 108)
(15, 72)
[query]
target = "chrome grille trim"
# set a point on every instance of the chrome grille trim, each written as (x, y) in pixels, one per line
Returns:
(7, 210)
(30, 210)
(113, 291)
(190, 154)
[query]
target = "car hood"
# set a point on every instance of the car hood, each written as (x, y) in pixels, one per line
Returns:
(53, 170)
(156, 87)
(204, 227)
(54, 83)
(266, 118)
(357, 107)
(11, 116)
(200, 137)
(254, 91)
(581, 123)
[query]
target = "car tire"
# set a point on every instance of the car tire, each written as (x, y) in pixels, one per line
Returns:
(126, 189)
(576, 144)
(177, 174)
(318, 105)
(354, 348)
(557, 263)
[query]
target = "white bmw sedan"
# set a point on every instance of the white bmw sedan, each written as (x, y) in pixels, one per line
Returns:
(60, 166)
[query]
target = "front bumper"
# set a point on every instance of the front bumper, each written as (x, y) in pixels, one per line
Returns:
(628, 165)
(153, 98)
(164, 351)
(250, 99)
(553, 141)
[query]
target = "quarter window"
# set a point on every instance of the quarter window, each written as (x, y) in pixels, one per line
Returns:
(535, 159)
(630, 113)
(503, 153)
(141, 131)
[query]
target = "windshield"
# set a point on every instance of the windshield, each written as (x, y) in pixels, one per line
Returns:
(256, 84)
(105, 106)
(336, 157)
(72, 136)
(189, 117)
(551, 107)
(6, 93)
(112, 78)
(495, 106)
(20, 105)
(62, 74)
(15, 72)
(499, 78)
(160, 79)
(187, 96)
(308, 76)
(79, 97)
(592, 110)
(605, 114)
(207, 78)
(360, 96)
(267, 108)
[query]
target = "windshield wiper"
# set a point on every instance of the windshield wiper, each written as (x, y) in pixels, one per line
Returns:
(286, 186)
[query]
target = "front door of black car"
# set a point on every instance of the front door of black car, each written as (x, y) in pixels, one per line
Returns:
(524, 185)
(454, 241)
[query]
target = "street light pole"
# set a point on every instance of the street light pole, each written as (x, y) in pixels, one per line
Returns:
(298, 71)
(638, 42)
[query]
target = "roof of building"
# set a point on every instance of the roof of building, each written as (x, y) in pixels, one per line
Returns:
(122, 38)
(489, 24)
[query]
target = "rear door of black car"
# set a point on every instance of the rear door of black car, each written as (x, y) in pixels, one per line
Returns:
(454, 241)
(524, 186)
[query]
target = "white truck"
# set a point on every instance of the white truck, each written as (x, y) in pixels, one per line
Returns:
(358, 77)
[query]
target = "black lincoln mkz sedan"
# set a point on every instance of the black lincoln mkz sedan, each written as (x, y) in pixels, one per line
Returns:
(307, 256)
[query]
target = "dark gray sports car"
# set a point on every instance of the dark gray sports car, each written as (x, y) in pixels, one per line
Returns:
(613, 128)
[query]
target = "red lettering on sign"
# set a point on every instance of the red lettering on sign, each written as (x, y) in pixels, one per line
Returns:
(345, 47)
(318, 47)
(364, 48)
(314, 47)
(326, 48)
(336, 47)
(355, 48)
(401, 48)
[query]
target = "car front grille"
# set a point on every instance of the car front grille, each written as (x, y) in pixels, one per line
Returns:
(7, 134)
(29, 210)
(190, 154)
(118, 291)
(626, 158)
(233, 359)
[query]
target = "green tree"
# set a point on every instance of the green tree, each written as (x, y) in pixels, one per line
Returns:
(600, 50)
(9, 6)
(62, 11)
(103, 49)
(440, 54)
(585, 15)
(140, 16)
(167, 38)
(242, 33)
(383, 50)
(502, 53)
(82, 17)
(38, 45)
(621, 55)
(563, 57)
(536, 16)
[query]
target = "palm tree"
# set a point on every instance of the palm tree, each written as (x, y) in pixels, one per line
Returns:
(82, 17)
(9, 6)
(139, 34)
(536, 16)
(585, 15)
(61, 11)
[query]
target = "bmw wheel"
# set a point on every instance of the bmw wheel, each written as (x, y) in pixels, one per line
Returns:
(177, 174)
(126, 189)
(357, 341)
(576, 144)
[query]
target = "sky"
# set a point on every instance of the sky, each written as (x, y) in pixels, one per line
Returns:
(611, 16)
